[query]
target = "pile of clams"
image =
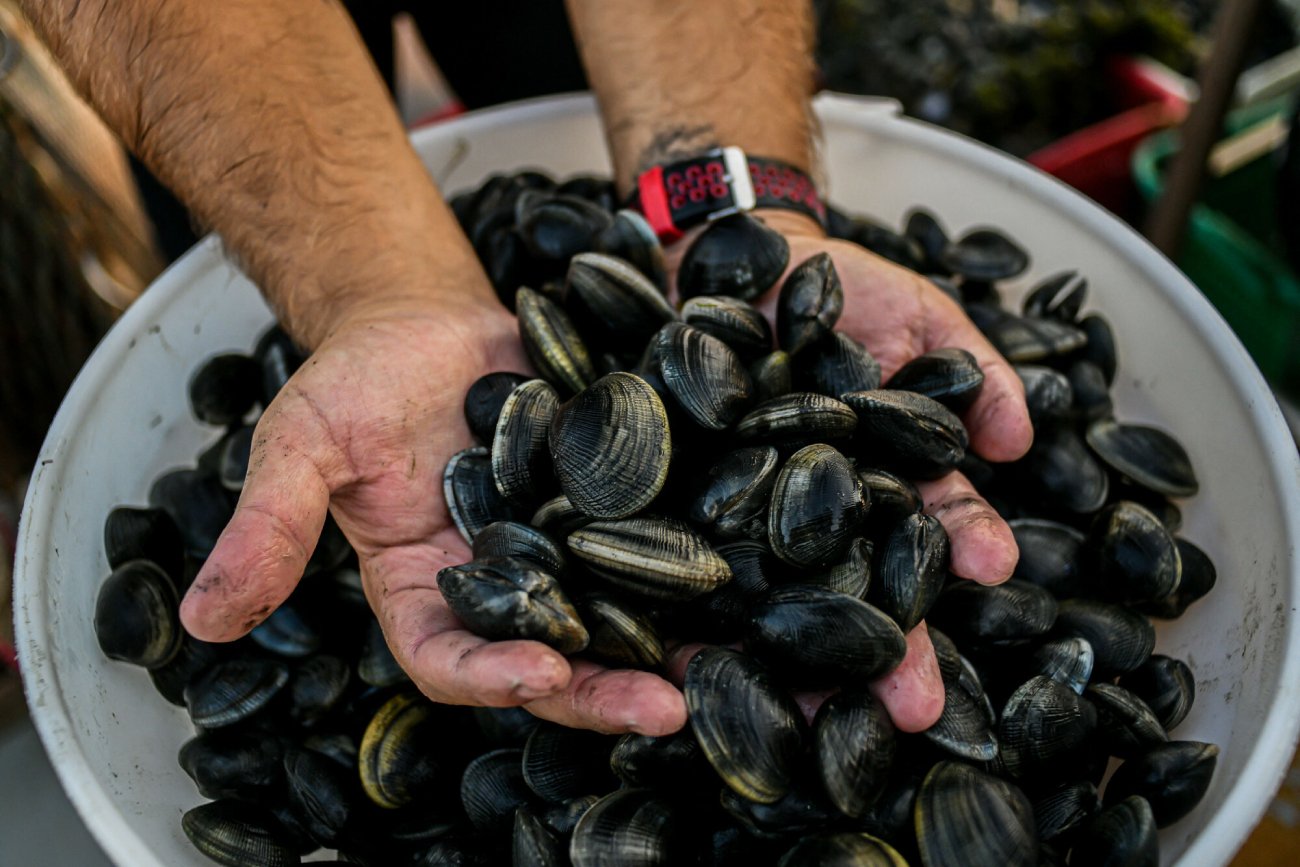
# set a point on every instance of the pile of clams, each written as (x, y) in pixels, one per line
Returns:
(694, 474)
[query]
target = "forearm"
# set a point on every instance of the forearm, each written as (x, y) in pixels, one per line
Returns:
(675, 77)
(269, 121)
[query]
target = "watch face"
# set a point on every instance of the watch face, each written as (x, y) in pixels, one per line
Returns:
(681, 194)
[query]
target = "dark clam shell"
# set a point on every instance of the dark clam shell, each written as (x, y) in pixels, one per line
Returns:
(845, 849)
(772, 375)
(1047, 391)
(559, 517)
(1123, 833)
(1147, 455)
(632, 828)
(965, 727)
(836, 365)
(234, 690)
(534, 844)
(230, 832)
(1198, 578)
(1092, 399)
(484, 400)
(1064, 809)
(951, 376)
(852, 575)
(562, 818)
(1172, 777)
(1068, 661)
(911, 433)
(1022, 340)
(552, 343)
(144, 534)
(809, 305)
(137, 617)
(471, 494)
(492, 788)
(631, 238)
(737, 256)
(985, 254)
(655, 557)
(797, 419)
(558, 226)
(750, 730)
(892, 497)
(965, 816)
(289, 631)
(613, 303)
(705, 378)
(1131, 555)
(818, 507)
(1121, 639)
(198, 504)
(673, 763)
(621, 635)
(376, 665)
(732, 498)
(611, 447)
(1060, 470)
(316, 686)
(1100, 348)
(234, 764)
(736, 323)
(510, 598)
(820, 636)
(802, 810)
(1060, 297)
(396, 761)
(1043, 725)
(925, 229)
(1166, 685)
(1049, 555)
(279, 357)
(1125, 725)
(521, 460)
(912, 568)
(886, 243)
(1003, 612)
(323, 795)
(853, 738)
(513, 539)
(225, 388)
(561, 763)
(192, 658)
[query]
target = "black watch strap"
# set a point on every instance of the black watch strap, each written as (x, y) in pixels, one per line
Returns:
(678, 195)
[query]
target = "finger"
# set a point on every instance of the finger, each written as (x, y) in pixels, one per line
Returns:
(913, 692)
(998, 421)
(983, 547)
(615, 701)
(263, 550)
(447, 662)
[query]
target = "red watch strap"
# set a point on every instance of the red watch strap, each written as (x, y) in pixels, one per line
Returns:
(678, 195)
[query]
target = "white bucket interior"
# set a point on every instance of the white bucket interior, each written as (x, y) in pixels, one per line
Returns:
(114, 742)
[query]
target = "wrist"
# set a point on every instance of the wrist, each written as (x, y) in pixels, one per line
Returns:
(391, 266)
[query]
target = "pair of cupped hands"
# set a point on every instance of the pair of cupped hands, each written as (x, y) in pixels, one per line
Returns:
(367, 424)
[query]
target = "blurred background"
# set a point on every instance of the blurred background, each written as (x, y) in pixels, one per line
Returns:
(1179, 116)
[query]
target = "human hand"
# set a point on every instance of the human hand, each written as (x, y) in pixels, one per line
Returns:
(364, 429)
(899, 315)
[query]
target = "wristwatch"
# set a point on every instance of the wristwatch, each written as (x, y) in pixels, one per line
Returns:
(678, 195)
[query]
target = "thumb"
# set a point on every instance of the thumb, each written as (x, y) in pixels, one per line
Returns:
(263, 551)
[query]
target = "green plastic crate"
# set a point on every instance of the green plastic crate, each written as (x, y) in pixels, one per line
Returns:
(1232, 249)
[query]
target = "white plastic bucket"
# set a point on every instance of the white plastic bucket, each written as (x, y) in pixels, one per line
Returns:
(114, 742)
